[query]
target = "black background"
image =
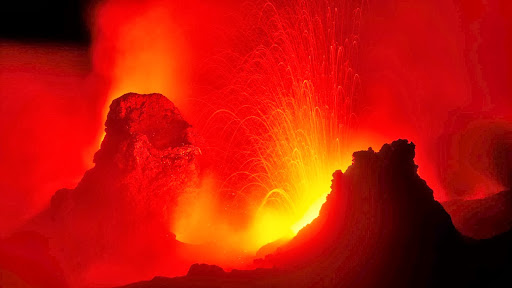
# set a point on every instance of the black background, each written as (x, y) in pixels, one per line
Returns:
(45, 20)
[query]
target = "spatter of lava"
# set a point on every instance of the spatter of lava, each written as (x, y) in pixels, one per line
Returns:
(280, 125)
(276, 127)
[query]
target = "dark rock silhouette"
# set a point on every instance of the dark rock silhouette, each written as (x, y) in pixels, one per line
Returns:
(205, 270)
(260, 278)
(380, 227)
(380, 220)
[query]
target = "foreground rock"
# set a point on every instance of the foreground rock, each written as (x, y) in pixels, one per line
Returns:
(114, 226)
(380, 227)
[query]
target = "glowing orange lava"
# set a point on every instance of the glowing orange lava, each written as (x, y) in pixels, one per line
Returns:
(277, 130)
(139, 48)
(283, 120)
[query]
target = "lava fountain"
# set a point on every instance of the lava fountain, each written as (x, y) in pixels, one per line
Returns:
(282, 122)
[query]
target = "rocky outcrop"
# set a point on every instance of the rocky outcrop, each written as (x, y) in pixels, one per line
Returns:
(380, 218)
(482, 218)
(205, 270)
(380, 227)
(123, 207)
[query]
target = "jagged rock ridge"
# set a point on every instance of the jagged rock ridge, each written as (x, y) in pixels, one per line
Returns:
(123, 207)
(380, 227)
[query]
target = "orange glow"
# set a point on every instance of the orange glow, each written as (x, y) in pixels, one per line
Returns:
(282, 123)
(272, 90)
(279, 117)
(139, 48)
(289, 116)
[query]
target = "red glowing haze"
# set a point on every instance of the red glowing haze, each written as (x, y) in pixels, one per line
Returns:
(277, 100)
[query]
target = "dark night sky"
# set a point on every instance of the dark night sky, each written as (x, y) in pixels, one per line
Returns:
(44, 21)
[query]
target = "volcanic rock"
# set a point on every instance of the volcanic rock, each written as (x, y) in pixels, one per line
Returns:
(205, 270)
(380, 218)
(25, 261)
(379, 227)
(123, 207)
(482, 218)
